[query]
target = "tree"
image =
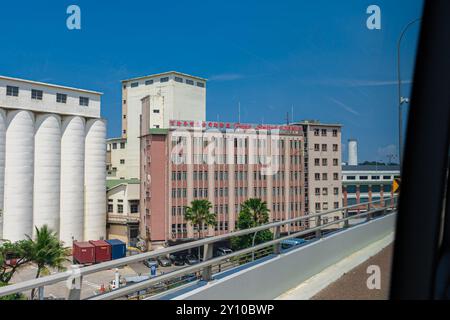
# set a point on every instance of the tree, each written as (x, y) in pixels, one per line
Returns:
(47, 252)
(12, 257)
(254, 213)
(199, 215)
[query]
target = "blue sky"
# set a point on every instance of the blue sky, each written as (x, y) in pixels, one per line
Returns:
(315, 56)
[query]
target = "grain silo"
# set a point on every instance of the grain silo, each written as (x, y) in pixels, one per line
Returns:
(95, 176)
(72, 179)
(47, 169)
(19, 169)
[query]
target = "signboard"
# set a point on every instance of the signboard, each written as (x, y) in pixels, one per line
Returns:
(396, 185)
(231, 125)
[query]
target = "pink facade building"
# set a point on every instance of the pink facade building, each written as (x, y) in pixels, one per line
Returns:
(225, 163)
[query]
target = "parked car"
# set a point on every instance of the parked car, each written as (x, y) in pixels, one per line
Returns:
(223, 251)
(164, 261)
(191, 259)
(178, 260)
(151, 262)
(289, 243)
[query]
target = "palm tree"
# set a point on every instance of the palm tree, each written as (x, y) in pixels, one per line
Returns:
(258, 210)
(47, 252)
(199, 215)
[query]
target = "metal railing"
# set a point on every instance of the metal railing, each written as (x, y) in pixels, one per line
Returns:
(208, 263)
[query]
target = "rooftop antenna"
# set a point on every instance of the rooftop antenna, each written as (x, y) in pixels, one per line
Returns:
(292, 113)
(287, 118)
(239, 112)
(218, 118)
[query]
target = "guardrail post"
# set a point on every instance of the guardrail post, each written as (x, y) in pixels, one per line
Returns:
(346, 224)
(75, 290)
(74, 283)
(207, 254)
(318, 224)
(277, 246)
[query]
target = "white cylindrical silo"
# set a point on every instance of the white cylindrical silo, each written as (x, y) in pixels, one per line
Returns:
(2, 165)
(72, 179)
(95, 180)
(19, 167)
(47, 169)
(352, 152)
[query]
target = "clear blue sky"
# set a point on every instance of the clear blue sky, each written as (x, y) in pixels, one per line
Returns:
(317, 56)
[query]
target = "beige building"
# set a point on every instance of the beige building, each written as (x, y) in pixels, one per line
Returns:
(323, 180)
(123, 210)
(116, 164)
(172, 95)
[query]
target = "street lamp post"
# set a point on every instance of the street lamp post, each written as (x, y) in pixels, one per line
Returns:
(401, 99)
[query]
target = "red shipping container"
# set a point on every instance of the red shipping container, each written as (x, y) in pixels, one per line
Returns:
(102, 250)
(83, 252)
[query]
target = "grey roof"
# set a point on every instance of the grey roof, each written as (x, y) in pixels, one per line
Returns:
(371, 168)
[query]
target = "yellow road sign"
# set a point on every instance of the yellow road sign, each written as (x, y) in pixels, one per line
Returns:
(396, 185)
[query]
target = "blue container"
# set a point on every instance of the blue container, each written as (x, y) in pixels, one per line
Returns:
(118, 248)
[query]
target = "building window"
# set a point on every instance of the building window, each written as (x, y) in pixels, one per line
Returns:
(324, 132)
(316, 147)
(190, 82)
(335, 147)
(120, 208)
(386, 177)
(317, 176)
(114, 145)
(336, 206)
(36, 94)
(316, 132)
(363, 177)
(200, 84)
(156, 111)
(324, 147)
(317, 206)
(122, 145)
(335, 133)
(122, 161)
(61, 98)
(375, 177)
(324, 162)
(165, 79)
(317, 162)
(110, 208)
(335, 162)
(135, 84)
(84, 101)
(336, 191)
(325, 191)
(317, 191)
(335, 176)
(351, 178)
(178, 79)
(324, 176)
(325, 207)
(12, 91)
(134, 207)
(148, 82)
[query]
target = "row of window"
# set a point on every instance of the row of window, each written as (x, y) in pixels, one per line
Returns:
(324, 177)
(134, 208)
(373, 177)
(325, 162)
(115, 144)
(38, 95)
(324, 205)
(325, 191)
(324, 132)
(238, 175)
(166, 79)
(324, 147)
(366, 188)
(220, 142)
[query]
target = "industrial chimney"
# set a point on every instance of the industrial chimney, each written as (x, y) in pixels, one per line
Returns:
(352, 152)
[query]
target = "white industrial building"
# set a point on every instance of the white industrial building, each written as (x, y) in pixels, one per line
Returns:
(52, 161)
(173, 95)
